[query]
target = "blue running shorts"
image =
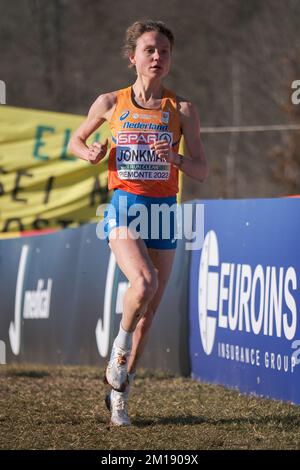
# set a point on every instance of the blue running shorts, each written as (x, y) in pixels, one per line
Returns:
(153, 219)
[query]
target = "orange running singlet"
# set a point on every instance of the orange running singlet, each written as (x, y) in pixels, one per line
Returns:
(133, 166)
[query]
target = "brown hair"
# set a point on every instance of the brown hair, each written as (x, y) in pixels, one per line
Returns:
(140, 27)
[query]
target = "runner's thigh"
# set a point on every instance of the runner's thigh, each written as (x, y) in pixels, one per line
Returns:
(132, 256)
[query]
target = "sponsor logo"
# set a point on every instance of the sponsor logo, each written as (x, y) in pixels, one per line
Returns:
(36, 303)
(124, 115)
(240, 298)
(258, 301)
(2, 92)
(146, 126)
(102, 331)
(129, 138)
(207, 292)
(142, 138)
(143, 116)
(103, 327)
(166, 136)
(165, 117)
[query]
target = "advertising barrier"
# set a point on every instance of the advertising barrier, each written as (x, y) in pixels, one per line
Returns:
(229, 315)
(61, 298)
(244, 297)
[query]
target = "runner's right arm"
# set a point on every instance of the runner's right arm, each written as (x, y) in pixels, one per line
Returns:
(100, 111)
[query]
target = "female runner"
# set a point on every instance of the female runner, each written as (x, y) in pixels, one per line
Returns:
(146, 122)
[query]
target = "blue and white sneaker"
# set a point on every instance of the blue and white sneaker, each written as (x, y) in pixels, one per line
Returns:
(116, 372)
(117, 404)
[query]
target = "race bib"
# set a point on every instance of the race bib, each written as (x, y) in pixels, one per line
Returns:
(136, 160)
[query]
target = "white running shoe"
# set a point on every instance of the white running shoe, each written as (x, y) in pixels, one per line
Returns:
(116, 372)
(116, 403)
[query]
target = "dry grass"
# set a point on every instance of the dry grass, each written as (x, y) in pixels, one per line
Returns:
(53, 407)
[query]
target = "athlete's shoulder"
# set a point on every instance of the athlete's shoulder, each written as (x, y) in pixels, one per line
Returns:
(104, 105)
(186, 109)
(106, 101)
(185, 106)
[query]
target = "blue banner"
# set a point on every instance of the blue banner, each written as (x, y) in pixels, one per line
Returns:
(61, 300)
(244, 298)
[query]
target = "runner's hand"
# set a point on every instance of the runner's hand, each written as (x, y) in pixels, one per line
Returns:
(96, 152)
(163, 150)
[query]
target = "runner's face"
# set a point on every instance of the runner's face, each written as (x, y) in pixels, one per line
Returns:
(152, 56)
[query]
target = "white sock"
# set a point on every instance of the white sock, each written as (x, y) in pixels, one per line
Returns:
(124, 339)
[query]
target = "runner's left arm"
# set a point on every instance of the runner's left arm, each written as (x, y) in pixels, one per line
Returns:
(195, 165)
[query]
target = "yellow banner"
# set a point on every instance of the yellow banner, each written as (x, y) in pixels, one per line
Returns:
(41, 185)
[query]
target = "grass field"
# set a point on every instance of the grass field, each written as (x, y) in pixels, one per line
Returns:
(45, 407)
